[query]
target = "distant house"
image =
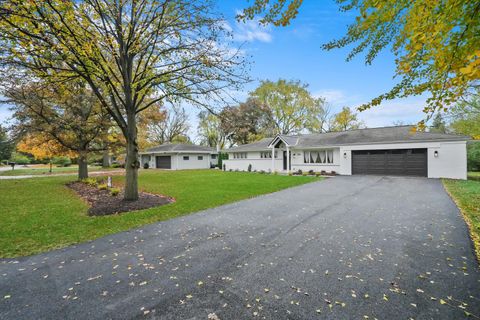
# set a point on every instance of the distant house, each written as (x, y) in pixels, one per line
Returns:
(179, 156)
(383, 151)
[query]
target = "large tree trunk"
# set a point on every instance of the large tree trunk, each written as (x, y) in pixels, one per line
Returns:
(82, 165)
(106, 159)
(131, 162)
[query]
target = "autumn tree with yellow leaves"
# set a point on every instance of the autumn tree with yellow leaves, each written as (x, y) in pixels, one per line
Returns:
(58, 119)
(132, 54)
(436, 43)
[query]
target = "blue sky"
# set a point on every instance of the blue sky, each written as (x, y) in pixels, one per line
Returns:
(294, 52)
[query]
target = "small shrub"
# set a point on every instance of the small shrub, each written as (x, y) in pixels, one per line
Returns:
(262, 171)
(255, 170)
(323, 172)
(334, 173)
(305, 174)
(90, 181)
(116, 165)
(275, 173)
(114, 191)
(62, 161)
(230, 170)
(250, 168)
(102, 186)
(318, 174)
(236, 170)
(290, 174)
(311, 172)
(19, 158)
(146, 165)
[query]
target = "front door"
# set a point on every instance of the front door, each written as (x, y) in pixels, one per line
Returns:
(285, 160)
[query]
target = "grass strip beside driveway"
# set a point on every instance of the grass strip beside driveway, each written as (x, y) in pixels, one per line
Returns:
(466, 194)
(42, 214)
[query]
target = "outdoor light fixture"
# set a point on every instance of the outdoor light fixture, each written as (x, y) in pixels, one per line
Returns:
(345, 155)
(435, 154)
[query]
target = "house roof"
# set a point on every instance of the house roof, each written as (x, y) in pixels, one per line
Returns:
(179, 148)
(396, 134)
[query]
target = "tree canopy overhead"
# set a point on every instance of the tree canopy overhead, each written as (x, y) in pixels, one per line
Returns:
(436, 43)
(133, 54)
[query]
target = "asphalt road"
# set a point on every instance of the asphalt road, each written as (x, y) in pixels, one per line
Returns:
(343, 248)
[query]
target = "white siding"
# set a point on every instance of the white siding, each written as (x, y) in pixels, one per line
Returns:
(192, 163)
(450, 163)
(177, 162)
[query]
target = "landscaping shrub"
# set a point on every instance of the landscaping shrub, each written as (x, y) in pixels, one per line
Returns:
(90, 181)
(102, 186)
(262, 171)
(249, 168)
(117, 165)
(146, 165)
(311, 172)
(114, 191)
(62, 161)
(19, 158)
(305, 174)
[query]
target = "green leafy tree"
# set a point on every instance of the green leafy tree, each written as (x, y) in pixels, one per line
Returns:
(132, 54)
(345, 120)
(465, 116)
(436, 43)
(247, 122)
(438, 124)
(465, 119)
(6, 144)
(290, 105)
(210, 130)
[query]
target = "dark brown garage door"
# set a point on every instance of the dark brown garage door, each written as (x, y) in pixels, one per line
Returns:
(164, 162)
(401, 162)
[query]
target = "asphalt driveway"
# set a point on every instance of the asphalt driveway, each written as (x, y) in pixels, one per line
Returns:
(344, 248)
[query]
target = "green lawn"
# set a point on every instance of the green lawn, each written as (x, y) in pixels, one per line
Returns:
(44, 170)
(41, 214)
(467, 196)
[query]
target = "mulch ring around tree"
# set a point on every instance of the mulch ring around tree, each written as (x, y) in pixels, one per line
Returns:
(102, 203)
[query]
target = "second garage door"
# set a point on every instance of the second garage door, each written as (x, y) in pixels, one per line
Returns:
(164, 162)
(402, 162)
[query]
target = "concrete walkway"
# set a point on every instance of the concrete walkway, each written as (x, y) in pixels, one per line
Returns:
(343, 248)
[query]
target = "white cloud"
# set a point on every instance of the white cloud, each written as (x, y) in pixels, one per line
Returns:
(408, 110)
(249, 31)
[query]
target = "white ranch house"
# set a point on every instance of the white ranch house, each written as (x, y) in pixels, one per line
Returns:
(178, 157)
(384, 151)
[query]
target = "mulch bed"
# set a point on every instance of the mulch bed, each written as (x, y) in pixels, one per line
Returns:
(103, 203)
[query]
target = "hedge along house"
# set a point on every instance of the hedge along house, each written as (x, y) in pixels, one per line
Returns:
(179, 157)
(383, 151)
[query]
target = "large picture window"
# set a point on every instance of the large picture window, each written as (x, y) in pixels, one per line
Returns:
(318, 156)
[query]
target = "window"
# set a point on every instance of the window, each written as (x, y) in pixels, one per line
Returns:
(267, 154)
(239, 155)
(200, 157)
(186, 158)
(214, 156)
(320, 156)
